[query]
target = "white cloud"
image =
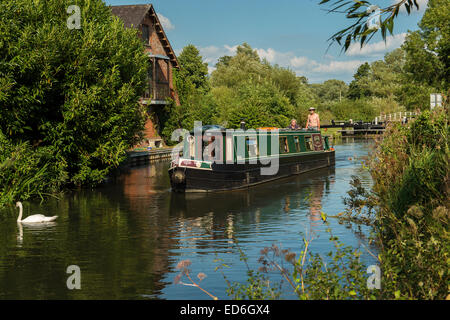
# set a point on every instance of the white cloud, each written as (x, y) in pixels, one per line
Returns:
(309, 67)
(211, 69)
(212, 53)
(392, 42)
(313, 69)
(334, 67)
(166, 24)
(268, 54)
(283, 59)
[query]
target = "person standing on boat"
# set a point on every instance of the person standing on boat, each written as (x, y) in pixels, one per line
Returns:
(293, 125)
(313, 122)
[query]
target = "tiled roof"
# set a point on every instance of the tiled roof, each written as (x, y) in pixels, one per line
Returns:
(131, 15)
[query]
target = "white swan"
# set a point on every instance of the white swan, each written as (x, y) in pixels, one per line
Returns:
(37, 218)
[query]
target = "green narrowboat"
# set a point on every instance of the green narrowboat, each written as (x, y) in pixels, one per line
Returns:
(218, 159)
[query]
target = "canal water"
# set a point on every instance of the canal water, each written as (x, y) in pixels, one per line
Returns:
(128, 236)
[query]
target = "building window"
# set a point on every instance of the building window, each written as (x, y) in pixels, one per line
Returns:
(252, 147)
(145, 34)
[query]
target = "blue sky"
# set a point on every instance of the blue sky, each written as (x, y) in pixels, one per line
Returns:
(287, 32)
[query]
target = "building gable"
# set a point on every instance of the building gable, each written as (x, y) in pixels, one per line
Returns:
(133, 16)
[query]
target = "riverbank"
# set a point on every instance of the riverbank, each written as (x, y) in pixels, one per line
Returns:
(332, 132)
(411, 193)
(140, 157)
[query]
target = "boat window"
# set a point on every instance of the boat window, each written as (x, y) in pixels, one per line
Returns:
(229, 149)
(212, 150)
(297, 143)
(209, 150)
(284, 148)
(252, 146)
(308, 143)
(191, 142)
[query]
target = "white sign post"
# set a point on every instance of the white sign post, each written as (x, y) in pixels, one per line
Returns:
(435, 100)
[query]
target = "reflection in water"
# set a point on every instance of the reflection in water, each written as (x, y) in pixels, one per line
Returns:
(315, 203)
(128, 236)
(221, 216)
(32, 228)
(20, 235)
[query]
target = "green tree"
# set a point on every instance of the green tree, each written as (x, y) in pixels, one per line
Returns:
(415, 96)
(381, 78)
(305, 98)
(193, 72)
(223, 61)
(428, 49)
(244, 81)
(426, 62)
(360, 109)
(241, 67)
(261, 104)
(358, 87)
(286, 80)
(385, 76)
(246, 49)
(331, 90)
(73, 91)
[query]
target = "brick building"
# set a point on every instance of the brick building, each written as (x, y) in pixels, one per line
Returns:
(162, 61)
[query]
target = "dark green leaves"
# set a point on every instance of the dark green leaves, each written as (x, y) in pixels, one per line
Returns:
(74, 91)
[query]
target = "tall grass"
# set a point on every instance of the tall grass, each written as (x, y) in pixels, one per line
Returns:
(410, 170)
(28, 172)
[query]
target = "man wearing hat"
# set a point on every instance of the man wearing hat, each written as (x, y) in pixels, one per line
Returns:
(313, 122)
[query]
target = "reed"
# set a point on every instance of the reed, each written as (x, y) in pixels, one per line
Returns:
(27, 172)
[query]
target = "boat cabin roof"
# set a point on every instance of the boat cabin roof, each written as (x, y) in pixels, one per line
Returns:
(217, 128)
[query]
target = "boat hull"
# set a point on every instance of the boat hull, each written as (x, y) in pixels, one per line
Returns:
(224, 177)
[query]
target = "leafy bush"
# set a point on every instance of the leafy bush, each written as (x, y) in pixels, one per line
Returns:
(410, 165)
(360, 109)
(261, 105)
(415, 95)
(411, 182)
(244, 86)
(27, 172)
(73, 91)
